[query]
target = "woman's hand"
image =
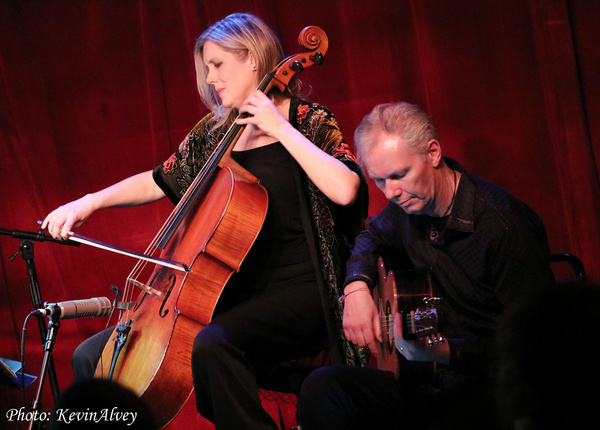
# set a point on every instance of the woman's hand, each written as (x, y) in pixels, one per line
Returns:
(133, 191)
(62, 220)
(264, 115)
(331, 176)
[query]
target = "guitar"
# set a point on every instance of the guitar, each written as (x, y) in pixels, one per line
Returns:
(410, 294)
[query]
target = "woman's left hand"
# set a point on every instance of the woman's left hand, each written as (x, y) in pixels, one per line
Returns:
(263, 114)
(331, 176)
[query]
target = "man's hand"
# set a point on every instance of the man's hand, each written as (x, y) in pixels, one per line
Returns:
(361, 318)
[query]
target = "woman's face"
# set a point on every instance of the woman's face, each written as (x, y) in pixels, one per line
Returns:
(232, 77)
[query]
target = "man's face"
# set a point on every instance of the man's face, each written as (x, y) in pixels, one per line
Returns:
(403, 176)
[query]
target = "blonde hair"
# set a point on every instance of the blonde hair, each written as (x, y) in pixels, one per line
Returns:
(240, 34)
(399, 119)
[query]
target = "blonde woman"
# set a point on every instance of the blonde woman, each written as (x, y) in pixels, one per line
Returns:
(278, 306)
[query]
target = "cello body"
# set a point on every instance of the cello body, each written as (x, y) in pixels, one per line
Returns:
(155, 361)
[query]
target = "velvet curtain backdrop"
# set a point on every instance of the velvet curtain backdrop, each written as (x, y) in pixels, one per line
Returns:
(94, 91)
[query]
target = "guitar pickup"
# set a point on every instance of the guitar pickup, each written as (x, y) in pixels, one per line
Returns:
(424, 313)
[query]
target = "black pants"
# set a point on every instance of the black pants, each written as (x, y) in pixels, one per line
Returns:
(87, 354)
(345, 397)
(238, 349)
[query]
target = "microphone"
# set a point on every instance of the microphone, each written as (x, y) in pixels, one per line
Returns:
(95, 307)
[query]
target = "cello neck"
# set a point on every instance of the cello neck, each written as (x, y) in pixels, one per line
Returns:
(312, 38)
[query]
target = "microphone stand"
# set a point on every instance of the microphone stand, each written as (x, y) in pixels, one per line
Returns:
(26, 251)
(48, 337)
(36, 405)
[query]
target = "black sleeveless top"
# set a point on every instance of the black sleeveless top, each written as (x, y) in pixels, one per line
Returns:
(280, 253)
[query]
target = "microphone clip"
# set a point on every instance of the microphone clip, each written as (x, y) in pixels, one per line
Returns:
(118, 304)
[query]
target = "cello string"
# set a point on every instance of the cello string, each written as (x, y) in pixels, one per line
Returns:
(201, 183)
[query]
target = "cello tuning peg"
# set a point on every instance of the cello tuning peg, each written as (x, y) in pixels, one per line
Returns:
(297, 67)
(318, 58)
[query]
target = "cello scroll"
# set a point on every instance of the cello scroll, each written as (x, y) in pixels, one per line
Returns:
(312, 38)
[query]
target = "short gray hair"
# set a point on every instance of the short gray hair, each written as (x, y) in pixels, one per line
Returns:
(401, 119)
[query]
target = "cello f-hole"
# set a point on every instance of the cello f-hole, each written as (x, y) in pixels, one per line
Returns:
(162, 314)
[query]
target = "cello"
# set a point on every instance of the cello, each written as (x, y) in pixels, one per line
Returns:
(205, 239)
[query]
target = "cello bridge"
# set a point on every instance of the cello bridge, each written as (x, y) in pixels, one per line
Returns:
(145, 287)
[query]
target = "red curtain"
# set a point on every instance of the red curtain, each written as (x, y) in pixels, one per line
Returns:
(94, 91)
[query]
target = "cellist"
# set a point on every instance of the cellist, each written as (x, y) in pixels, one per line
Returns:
(272, 309)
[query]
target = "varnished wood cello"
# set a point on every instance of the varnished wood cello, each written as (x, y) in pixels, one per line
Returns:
(205, 239)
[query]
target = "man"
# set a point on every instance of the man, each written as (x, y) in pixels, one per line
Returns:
(483, 249)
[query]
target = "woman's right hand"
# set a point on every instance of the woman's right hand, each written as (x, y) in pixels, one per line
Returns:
(60, 221)
(134, 191)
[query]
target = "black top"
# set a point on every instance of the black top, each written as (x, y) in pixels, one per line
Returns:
(281, 251)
